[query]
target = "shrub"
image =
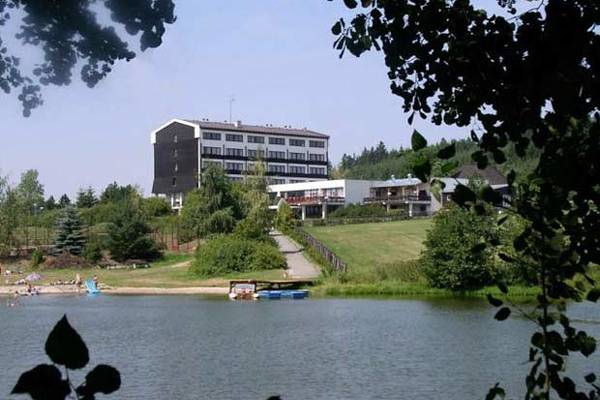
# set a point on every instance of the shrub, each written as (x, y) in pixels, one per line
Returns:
(128, 237)
(37, 257)
(224, 254)
(92, 251)
(156, 207)
(284, 219)
(359, 210)
(448, 260)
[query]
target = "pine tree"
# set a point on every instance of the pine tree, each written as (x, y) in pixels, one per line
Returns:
(70, 238)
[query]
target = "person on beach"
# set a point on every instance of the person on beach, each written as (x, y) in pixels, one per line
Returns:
(95, 279)
(13, 300)
(78, 282)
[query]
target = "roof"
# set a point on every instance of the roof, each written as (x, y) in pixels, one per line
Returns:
(450, 184)
(397, 182)
(272, 130)
(490, 174)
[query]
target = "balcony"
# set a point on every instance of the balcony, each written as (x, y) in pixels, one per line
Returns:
(307, 200)
(423, 198)
(268, 160)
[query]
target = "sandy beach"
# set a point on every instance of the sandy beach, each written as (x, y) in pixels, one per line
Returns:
(72, 289)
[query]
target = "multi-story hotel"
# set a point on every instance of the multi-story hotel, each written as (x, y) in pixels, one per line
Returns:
(183, 148)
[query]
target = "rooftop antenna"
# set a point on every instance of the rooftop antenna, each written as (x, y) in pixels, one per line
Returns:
(231, 100)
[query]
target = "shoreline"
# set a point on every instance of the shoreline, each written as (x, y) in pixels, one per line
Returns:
(72, 289)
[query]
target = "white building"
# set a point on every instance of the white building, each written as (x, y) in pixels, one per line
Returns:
(184, 148)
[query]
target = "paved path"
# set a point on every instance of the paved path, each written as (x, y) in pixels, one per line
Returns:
(299, 266)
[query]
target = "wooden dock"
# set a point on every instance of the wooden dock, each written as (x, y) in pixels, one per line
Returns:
(274, 285)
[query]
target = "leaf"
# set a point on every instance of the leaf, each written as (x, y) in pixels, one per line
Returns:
(448, 167)
(593, 295)
(494, 301)
(502, 314)
(510, 178)
(44, 382)
(422, 169)
(489, 195)
(590, 378)
(350, 3)
(506, 258)
(478, 248)
(495, 392)
(336, 29)
(474, 137)
(587, 345)
(502, 220)
(502, 287)
(102, 379)
(462, 195)
(447, 152)
(417, 141)
(411, 117)
(65, 347)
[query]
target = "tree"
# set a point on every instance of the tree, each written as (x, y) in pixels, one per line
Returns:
(70, 34)
(284, 218)
(69, 237)
(50, 203)
(9, 215)
(115, 193)
(128, 237)
(86, 198)
(64, 201)
(156, 207)
(448, 261)
(526, 80)
(255, 204)
(30, 191)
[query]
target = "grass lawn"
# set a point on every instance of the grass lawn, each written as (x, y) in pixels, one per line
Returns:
(171, 272)
(362, 246)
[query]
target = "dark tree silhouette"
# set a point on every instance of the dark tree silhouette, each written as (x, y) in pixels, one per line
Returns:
(69, 34)
(528, 78)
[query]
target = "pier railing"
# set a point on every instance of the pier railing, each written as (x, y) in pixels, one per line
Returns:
(329, 256)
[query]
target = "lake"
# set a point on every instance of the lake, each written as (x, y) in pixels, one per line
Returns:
(189, 347)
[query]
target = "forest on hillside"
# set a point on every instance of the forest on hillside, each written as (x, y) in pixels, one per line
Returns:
(379, 162)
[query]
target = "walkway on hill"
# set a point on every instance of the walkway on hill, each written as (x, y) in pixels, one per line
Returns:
(299, 267)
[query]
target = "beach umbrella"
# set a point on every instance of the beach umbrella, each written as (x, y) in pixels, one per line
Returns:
(33, 277)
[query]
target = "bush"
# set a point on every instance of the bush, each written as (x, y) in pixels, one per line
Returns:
(92, 251)
(156, 207)
(224, 254)
(359, 210)
(448, 260)
(128, 237)
(37, 257)
(284, 219)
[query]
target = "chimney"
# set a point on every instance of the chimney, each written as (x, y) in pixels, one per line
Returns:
(393, 178)
(409, 176)
(238, 123)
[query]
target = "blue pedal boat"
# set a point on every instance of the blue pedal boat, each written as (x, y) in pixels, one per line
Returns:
(281, 294)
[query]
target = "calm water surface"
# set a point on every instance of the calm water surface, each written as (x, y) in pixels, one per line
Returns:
(187, 347)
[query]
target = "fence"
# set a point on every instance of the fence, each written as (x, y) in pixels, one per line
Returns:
(332, 259)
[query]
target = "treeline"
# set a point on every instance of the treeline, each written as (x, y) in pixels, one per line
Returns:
(381, 163)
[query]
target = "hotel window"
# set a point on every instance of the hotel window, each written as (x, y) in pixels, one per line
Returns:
(276, 140)
(211, 136)
(175, 153)
(316, 143)
(277, 154)
(316, 157)
(207, 163)
(234, 166)
(277, 168)
(297, 156)
(296, 169)
(234, 152)
(317, 170)
(256, 139)
(256, 153)
(175, 139)
(176, 168)
(174, 183)
(215, 151)
(276, 181)
(297, 180)
(297, 142)
(232, 137)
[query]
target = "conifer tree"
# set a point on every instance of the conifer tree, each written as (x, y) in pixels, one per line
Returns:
(70, 238)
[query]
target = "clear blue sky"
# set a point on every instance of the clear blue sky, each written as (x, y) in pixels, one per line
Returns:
(275, 56)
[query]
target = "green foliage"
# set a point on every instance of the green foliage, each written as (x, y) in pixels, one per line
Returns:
(128, 237)
(9, 216)
(359, 210)
(92, 251)
(50, 204)
(285, 220)
(91, 44)
(254, 203)
(224, 254)
(69, 237)
(65, 347)
(37, 257)
(116, 194)
(155, 207)
(86, 198)
(448, 261)
(64, 201)
(30, 192)
(534, 84)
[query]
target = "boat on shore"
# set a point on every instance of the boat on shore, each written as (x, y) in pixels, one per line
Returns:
(266, 290)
